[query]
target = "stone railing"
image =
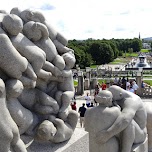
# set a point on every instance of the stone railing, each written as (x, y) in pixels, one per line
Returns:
(147, 91)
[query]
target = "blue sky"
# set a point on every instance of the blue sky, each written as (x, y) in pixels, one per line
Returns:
(98, 19)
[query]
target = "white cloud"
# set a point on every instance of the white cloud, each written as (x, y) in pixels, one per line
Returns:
(82, 19)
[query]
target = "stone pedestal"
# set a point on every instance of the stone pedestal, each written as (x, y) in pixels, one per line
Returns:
(138, 80)
(94, 82)
(86, 84)
(143, 147)
(80, 89)
(79, 142)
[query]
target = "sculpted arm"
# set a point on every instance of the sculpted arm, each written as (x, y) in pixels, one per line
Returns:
(122, 121)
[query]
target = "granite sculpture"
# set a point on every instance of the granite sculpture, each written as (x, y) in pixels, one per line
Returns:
(130, 122)
(35, 67)
(101, 118)
(9, 137)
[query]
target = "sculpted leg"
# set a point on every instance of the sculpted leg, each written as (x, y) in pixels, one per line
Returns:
(30, 72)
(28, 83)
(127, 138)
(51, 68)
(20, 146)
(72, 119)
(17, 144)
(133, 134)
(65, 102)
(44, 110)
(66, 98)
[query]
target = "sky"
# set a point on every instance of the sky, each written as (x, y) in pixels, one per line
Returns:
(96, 19)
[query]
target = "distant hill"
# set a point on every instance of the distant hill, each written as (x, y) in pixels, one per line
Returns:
(147, 39)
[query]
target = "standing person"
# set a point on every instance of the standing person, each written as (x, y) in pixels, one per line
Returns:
(123, 83)
(88, 100)
(96, 89)
(74, 106)
(103, 86)
(135, 87)
(127, 83)
(115, 81)
(82, 111)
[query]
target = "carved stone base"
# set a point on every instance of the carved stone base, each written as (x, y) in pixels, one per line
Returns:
(143, 147)
(79, 142)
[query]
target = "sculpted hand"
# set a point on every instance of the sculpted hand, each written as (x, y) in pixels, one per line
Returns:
(102, 137)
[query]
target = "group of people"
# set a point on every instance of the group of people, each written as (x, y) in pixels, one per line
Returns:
(126, 84)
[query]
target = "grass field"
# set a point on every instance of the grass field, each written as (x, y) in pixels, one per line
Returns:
(75, 83)
(144, 50)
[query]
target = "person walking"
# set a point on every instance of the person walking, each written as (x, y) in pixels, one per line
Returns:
(82, 111)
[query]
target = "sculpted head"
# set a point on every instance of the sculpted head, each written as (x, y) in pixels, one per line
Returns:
(30, 15)
(69, 59)
(46, 130)
(104, 97)
(35, 30)
(117, 92)
(15, 11)
(14, 88)
(12, 24)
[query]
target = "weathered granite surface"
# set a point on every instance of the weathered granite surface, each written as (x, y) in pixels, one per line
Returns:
(79, 142)
(116, 126)
(35, 67)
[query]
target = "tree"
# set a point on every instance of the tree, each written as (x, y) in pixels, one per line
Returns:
(101, 52)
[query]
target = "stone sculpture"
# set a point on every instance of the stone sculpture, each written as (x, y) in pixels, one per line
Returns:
(148, 106)
(130, 123)
(22, 116)
(56, 130)
(35, 66)
(101, 118)
(132, 120)
(9, 136)
(42, 40)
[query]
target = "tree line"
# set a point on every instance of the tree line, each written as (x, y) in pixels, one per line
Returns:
(90, 51)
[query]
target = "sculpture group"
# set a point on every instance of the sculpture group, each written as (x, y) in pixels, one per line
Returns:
(119, 121)
(36, 83)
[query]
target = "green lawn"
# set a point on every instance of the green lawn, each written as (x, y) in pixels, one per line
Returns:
(130, 54)
(93, 66)
(144, 50)
(148, 82)
(75, 83)
(120, 60)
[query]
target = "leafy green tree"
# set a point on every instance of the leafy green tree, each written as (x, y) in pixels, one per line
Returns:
(101, 53)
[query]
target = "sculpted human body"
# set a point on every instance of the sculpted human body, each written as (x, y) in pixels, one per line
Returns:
(148, 107)
(24, 46)
(65, 88)
(131, 122)
(22, 116)
(101, 118)
(9, 136)
(58, 39)
(20, 67)
(38, 101)
(42, 40)
(56, 130)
